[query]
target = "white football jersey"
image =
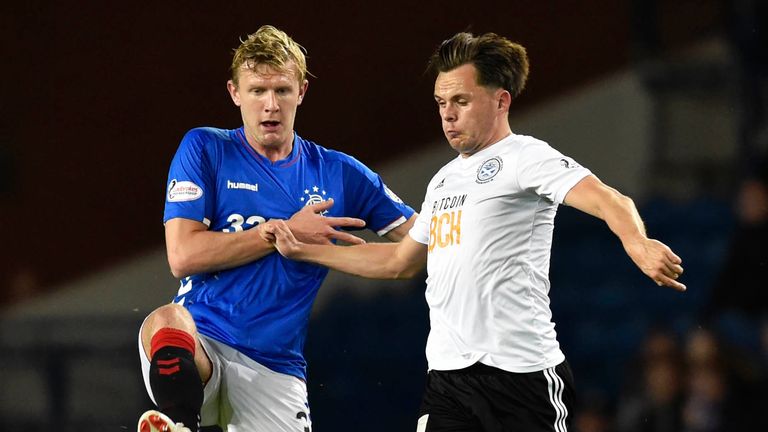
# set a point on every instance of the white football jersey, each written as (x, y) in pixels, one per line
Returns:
(487, 221)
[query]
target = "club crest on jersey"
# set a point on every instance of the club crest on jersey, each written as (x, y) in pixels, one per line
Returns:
(180, 191)
(314, 195)
(488, 170)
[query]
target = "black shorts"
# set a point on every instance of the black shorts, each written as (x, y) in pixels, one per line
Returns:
(482, 398)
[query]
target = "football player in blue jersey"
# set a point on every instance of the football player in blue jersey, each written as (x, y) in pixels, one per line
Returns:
(228, 350)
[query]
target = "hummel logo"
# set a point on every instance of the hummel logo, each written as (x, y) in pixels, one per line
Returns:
(241, 185)
(441, 184)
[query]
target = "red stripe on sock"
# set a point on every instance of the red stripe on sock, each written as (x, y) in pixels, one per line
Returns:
(170, 362)
(168, 371)
(169, 336)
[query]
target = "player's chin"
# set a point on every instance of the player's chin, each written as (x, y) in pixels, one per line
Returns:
(458, 144)
(273, 139)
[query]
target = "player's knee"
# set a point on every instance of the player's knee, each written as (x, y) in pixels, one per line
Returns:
(170, 315)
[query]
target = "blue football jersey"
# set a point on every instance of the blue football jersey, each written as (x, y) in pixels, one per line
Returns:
(262, 308)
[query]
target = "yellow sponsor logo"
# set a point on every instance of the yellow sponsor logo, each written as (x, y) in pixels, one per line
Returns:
(445, 230)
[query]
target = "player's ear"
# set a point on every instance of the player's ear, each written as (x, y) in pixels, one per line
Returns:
(303, 90)
(233, 92)
(504, 99)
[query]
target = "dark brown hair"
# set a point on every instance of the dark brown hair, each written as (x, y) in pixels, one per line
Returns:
(500, 63)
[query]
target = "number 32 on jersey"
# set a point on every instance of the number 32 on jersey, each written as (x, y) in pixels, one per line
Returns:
(238, 222)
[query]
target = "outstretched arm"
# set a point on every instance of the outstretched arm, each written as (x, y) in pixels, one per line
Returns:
(401, 260)
(401, 231)
(192, 248)
(653, 257)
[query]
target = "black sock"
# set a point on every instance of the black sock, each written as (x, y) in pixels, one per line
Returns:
(176, 385)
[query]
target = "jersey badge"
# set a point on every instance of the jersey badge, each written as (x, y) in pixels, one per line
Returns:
(179, 191)
(488, 170)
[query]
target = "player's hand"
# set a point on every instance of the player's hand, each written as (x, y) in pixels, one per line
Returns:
(265, 232)
(658, 262)
(284, 240)
(308, 225)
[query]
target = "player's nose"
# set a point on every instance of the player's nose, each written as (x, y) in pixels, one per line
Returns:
(270, 104)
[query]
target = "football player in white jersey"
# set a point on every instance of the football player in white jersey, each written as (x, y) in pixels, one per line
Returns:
(485, 234)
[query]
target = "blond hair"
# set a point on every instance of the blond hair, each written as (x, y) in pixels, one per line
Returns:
(500, 62)
(271, 47)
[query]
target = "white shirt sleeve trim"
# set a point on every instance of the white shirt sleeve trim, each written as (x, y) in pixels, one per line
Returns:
(573, 181)
(391, 226)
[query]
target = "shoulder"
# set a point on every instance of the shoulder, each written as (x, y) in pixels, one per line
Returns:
(525, 144)
(206, 142)
(527, 149)
(202, 136)
(314, 151)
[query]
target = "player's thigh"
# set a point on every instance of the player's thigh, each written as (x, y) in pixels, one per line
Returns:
(540, 401)
(444, 406)
(210, 412)
(481, 398)
(257, 399)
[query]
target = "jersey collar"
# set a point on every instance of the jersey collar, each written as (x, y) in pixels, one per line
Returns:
(291, 159)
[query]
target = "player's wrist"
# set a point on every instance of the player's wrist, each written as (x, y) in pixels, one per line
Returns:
(634, 244)
(301, 251)
(266, 238)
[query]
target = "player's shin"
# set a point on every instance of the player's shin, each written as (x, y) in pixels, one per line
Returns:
(174, 378)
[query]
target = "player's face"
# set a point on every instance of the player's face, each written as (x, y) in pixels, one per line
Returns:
(268, 99)
(473, 116)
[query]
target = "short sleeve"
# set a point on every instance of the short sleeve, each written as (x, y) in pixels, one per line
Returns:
(420, 229)
(547, 172)
(190, 187)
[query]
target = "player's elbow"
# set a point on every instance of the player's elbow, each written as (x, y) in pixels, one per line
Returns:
(180, 265)
(625, 202)
(404, 271)
(612, 202)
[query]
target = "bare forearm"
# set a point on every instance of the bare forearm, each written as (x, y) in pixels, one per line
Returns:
(206, 251)
(401, 231)
(654, 258)
(370, 260)
(621, 216)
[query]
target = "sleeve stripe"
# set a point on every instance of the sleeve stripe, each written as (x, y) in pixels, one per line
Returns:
(401, 220)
